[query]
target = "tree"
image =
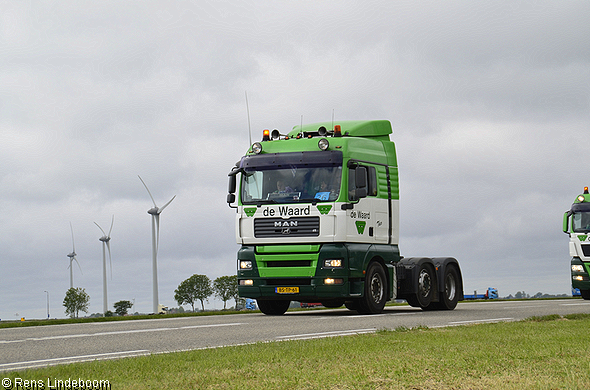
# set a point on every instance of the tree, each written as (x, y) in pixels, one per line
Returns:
(121, 307)
(226, 288)
(76, 300)
(197, 287)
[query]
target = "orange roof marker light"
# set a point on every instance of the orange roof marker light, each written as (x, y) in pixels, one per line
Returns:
(266, 135)
(337, 131)
(585, 190)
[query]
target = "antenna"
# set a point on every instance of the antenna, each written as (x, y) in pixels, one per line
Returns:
(248, 110)
(301, 125)
(332, 120)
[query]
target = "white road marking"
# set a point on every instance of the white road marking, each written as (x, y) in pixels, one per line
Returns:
(307, 336)
(71, 336)
(71, 359)
(490, 320)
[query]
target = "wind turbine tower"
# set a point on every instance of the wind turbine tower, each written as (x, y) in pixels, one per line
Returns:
(72, 257)
(105, 239)
(155, 213)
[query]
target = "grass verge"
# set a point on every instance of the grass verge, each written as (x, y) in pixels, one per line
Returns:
(539, 353)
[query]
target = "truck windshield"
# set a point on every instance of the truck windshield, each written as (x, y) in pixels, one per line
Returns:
(291, 177)
(581, 222)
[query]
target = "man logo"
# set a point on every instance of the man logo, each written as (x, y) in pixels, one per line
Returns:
(284, 224)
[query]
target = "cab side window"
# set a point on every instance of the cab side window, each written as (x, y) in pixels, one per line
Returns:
(371, 181)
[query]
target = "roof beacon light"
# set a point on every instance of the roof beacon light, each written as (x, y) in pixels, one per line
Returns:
(266, 135)
(337, 131)
(585, 190)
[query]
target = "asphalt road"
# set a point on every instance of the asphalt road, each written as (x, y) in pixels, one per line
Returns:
(59, 344)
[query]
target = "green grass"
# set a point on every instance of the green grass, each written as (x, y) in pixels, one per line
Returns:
(539, 353)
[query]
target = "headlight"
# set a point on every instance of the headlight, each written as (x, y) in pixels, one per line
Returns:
(256, 147)
(323, 144)
(577, 268)
(246, 282)
(245, 264)
(333, 281)
(333, 263)
(579, 278)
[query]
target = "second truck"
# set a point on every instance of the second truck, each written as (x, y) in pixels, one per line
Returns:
(576, 223)
(318, 221)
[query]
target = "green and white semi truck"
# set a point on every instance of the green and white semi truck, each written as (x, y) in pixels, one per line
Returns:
(576, 223)
(318, 221)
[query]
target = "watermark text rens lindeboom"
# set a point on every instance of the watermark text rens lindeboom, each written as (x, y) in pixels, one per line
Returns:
(55, 384)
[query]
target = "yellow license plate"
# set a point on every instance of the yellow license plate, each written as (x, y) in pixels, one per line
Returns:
(287, 290)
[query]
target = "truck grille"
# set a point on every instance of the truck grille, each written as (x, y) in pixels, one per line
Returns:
(292, 227)
(289, 263)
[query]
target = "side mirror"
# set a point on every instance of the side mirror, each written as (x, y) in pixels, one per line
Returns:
(231, 188)
(566, 221)
(231, 198)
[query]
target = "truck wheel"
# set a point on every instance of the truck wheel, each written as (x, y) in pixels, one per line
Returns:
(450, 295)
(375, 290)
(585, 294)
(425, 284)
(274, 308)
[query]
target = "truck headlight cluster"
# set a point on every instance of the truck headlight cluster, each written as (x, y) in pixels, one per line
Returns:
(577, 268)
(333, 281)
(333, 263)
(246, 282)
(245, 264)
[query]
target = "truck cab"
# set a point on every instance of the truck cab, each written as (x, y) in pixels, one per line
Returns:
(576, 223)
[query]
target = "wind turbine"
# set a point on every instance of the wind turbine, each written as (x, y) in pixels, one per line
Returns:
(105, 239)
(155, 213)
(72, 257)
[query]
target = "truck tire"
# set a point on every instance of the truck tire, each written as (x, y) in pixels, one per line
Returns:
(585, 294)
(450, 294)
(273, 308)
(425, 286)
(375, 296)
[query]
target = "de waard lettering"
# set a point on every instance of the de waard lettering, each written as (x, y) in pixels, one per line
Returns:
(287, 211)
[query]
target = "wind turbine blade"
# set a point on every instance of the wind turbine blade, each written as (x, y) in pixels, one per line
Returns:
(78, 265)
(148, 190)
(166, 205)
(100, 228)
(73, 244)
(111, 229)
(110, 259)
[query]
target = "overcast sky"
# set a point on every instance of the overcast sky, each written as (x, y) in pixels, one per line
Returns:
(489, 102)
